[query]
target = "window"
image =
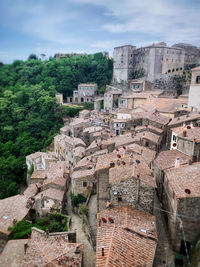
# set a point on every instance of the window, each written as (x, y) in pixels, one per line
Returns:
(138, 86)
(198, 79)
(119, 198)
(174, 138)
(84, 184)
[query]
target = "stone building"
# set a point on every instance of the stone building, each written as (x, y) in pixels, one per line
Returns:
(37, 163)
(192, 54)
(52, 249)
(132, 185)
(12, 210)
(86, 93)
(65, 148)
(152, 62)
(164, 161)
(192, 117)
(120, 126)
(59, 98)
(181, 199)
(194, 92)
(187, 140)
(140, 85)
(123, 63)
(125, 237)
(111, 100)
(83, 181)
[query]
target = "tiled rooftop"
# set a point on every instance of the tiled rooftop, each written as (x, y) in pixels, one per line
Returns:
(141, 172)
(185, 177)
(82, 173)
(147, 154)
(185, 118)
(129, 241)
(166, 159)
(51, 193)
(12, 208)
(192, 133)
(52, 250)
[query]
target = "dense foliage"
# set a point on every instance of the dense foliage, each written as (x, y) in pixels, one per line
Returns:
(55, 222)
(29, 115)
(77, 199)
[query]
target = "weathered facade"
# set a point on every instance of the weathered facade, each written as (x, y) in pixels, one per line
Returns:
(194, 92)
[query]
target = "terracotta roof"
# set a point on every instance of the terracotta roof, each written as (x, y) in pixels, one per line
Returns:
(38, 174)
(61, 138)
(87, 84)
(189, 134)
(93, 129)
(51, 193)
(185, 118)
(13, 253)
(149, 136)
(121, 173)
(12, 208)
(79, 152)
(164, 105)
(51, 250)
(166, 159)
(114, 92)
(55, 174)
(147, 154)
(82, 173)
(157, 117)
(31, 191)
(185, 177)
(129, 241)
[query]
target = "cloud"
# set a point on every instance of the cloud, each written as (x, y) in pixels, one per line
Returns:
(169, 20)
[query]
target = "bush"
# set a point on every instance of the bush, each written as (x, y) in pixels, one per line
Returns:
(83, 209)
(55, 222)
(77, 199)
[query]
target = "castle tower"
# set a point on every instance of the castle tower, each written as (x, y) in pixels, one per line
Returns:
(194, 93)
(123, 63)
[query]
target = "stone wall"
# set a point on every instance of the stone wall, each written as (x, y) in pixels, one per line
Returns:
(134, 193)
(103, 192)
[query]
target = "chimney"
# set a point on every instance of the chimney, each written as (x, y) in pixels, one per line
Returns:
(133, 170)
(184, 133)
(177, 162)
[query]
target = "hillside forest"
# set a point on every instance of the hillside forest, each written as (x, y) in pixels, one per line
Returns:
(29, 114)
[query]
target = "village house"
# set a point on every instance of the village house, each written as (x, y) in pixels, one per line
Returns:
(64, 147)
(187, 140)
(194, 92)
(132, 185)
(52, 249)
(12, 210)
(147, 154)
(120, 126)
(52, 194)
(125, 237)
(140, 85)
(83, 181)
(169, 107)
(38, 162)
(100, 144)
(148, 139)
(181, 199)
(89, 132)
(77, 125)
(86, 93)
(167, 160)
(111, 99)
(193, 117)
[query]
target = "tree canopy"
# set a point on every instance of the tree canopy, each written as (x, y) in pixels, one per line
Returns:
(29, 114)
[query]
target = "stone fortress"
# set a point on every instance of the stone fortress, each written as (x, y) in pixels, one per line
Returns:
(154, 62)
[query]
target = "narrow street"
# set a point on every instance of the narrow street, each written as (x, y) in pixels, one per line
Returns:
(93, 215)
(89, 255)
(164, 256)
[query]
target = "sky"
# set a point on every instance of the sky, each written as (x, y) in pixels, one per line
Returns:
(89, 26)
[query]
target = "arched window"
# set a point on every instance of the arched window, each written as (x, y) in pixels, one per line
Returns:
(169, 71)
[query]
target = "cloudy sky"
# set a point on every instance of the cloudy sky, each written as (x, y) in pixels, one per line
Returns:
(50, 26)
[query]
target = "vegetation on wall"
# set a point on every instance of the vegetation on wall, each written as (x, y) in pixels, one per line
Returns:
(29, 114)
(55, 222)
